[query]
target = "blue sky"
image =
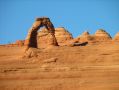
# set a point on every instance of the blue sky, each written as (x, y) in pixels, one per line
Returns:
(77, 16)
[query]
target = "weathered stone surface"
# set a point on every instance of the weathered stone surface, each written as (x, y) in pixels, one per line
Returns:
(85, 36)
(31, 52)
(50, 60)
(31, 40)
(116, 38)
(102, 35)
(61, 34)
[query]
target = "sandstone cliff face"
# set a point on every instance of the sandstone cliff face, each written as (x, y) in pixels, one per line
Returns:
(61, 34)
(116, 38)
(102, 35)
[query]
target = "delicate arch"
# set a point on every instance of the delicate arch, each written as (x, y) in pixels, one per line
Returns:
(32, 35)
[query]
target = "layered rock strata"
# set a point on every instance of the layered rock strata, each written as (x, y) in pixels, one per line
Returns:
(61, 34)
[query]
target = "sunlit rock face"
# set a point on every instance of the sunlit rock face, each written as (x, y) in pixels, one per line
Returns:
(102, 35)
(99, 36)
(85, 37)
(116, 38)
(61, 34)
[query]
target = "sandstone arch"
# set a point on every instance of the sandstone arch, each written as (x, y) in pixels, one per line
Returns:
(31, 40)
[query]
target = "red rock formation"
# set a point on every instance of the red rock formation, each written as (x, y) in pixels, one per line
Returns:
(116, 38)
(61, 34)
(102, 35)
(85, 37)
(31, 40)
(20, 42)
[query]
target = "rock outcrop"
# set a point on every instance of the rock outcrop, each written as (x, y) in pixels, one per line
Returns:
(61, 34)
(31, 41)
(116, 38)
(84, 37)
(20, 42)
(63, 37)
(102, 35)
(99, 36)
